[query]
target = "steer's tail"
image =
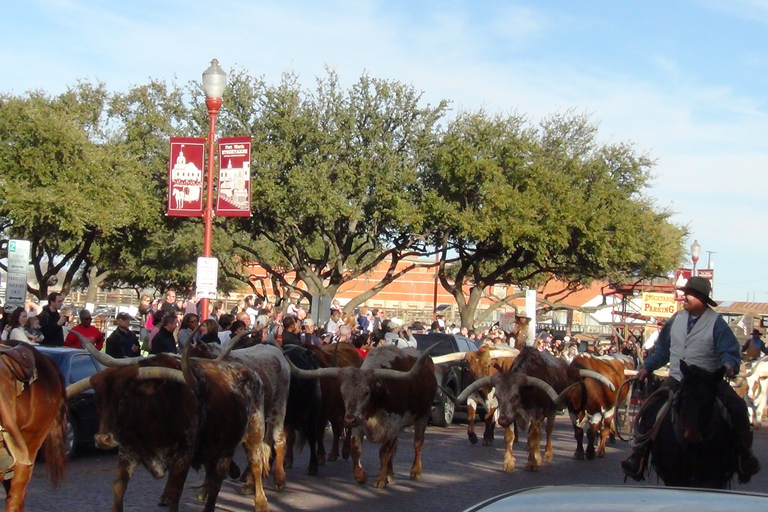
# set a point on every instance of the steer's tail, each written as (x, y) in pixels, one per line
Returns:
(54, 448)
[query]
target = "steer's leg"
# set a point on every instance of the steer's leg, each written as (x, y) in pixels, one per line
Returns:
(534, 445)
(290, 440)
(548, 451)
(386, 452)
(177, 475)
(471, 413)
(591, 434)
(258, 452)
(279, 440)
(509, 457)
(357, 451)
(578, 434)
(214, 475)
(346, 449)
(418, 443)
(120, 485)
(605, 432)
(338, 430)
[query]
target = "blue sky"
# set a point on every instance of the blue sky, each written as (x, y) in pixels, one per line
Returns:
(684, 80)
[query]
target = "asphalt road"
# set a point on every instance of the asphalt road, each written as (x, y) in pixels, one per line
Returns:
(456, 475)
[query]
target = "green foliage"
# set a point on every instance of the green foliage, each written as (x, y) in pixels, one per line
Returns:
(511, 203)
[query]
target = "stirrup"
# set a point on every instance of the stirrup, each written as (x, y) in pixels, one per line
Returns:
(636, 474)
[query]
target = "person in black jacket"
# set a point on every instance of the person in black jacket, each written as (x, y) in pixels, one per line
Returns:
(164, 340)
(291, 331)
(51, 321)
(123, 342)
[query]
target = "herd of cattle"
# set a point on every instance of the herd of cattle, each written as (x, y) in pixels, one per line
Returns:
(171, 413)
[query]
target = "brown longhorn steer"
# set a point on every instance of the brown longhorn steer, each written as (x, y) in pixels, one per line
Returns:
(592, 404)
(527, 394)
(394, 388)
(170, 414)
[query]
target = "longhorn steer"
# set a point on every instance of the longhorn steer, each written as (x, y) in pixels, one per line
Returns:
(393, 389)
(338, 355)
(303, 409)
(527, 394)
(592, 404)
(270, 364)
(484, 363)
(171, 420)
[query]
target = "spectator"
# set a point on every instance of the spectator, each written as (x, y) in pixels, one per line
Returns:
(239, 308)
(251, 309)
(398, 336)
(123, 342)
(157, 320)
(188, 325)
(236, 329)
(308, 335)
(209, 332)
(225, 323)
(435, 327)
(362, 343)
(169, 305)
(362, 319)
(378, 317)
(164, 340)
(33, 329)
(344, 334)
(17, 322)
(332, 326)
(291, 331)
(754, 346)
(51, 322)
(87, 330)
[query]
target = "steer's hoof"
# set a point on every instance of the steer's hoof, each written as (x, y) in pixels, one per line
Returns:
(332, 457)
(590, 454)
(578, 455)
(473, 438)
(380, 484)
(415, 475)
(548, 456)
(361, 479)
(509, 467)
(247, 490)
(532, 467)
(487, 441)
(312, 471)
(202, 495)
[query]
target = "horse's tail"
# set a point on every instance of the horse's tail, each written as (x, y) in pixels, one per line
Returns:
(54, 447)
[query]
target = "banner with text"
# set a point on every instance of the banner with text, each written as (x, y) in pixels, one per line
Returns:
(234, 185)
(659, 304)
(185, 177)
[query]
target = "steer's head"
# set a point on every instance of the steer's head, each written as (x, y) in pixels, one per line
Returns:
(507, 386)
(357, 388)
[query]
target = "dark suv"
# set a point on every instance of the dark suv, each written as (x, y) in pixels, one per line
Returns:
(453, 375)
(83, 419)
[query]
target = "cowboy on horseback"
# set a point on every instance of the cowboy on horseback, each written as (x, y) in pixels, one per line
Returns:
(699, 336)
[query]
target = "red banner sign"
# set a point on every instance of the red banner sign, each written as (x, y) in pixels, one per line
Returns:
(234, 185)
(681, 277)
(185, 177)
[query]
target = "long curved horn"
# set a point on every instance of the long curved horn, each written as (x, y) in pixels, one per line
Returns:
(560, 400)
(161, 372)
(599, 377)
(387, 373)
(456, 356)
(231, 345)
(186, 372)
(472, 388)
(540, 384)
(497, 353)
(106, 359)
(79, 387)
(753, 369)
(313, 374)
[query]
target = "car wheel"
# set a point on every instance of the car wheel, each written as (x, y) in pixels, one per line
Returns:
(70, 437)
(442, 416)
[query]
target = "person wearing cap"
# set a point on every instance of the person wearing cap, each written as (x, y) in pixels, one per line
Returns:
(123, 342)
(401, 338)
(699, 336)
(754, 346)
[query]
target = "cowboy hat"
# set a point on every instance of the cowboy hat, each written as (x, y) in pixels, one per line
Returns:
(701, 288)
(756, 332)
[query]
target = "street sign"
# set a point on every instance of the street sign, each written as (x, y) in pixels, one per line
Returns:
(207, 278)
(16, 278)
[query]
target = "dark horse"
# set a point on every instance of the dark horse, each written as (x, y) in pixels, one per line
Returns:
(694, 446)
(35, 416)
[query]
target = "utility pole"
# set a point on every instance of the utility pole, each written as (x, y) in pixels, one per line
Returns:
(709, 257)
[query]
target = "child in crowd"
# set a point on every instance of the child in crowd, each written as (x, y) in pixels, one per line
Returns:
(33, 329)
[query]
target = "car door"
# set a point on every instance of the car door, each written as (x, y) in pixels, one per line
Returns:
(83, 406)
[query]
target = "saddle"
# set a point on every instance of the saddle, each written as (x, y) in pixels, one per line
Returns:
(20, 359)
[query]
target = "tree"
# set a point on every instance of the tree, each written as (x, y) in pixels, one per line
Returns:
(514, 204)
(68, 185)
(335, 188)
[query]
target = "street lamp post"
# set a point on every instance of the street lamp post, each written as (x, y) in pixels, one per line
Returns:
(214, 81)
(695, 252)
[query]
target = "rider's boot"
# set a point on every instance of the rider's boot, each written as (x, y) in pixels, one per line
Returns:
(634, 465)
(748, 463)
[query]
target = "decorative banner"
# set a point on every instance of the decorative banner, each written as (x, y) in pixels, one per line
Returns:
(706, 273)
(659, 304)
(185, 177)
(681, 277)
(234, 185)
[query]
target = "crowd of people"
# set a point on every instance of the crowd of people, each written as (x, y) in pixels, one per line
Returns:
(168, 324)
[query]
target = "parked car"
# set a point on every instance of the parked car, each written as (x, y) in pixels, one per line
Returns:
(606, 498)
(83, 420)
(453, 375)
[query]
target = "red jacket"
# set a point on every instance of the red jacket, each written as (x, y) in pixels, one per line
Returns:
(91, 333)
